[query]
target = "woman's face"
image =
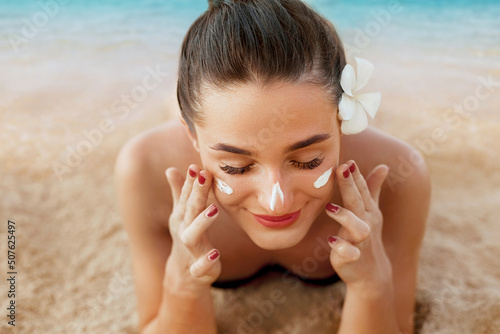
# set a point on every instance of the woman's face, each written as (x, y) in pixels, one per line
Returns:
(270, 146)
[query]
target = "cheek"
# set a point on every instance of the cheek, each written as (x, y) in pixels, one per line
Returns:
(318, 187)
(223, 186)
(226, 189)
(230, 190)
(323, 179)
(320, 184)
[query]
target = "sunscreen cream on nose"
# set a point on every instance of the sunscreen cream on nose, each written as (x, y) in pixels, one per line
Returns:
(277, 193)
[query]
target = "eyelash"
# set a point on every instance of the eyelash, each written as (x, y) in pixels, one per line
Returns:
(300, 165)
(236, 170)
(307, 165)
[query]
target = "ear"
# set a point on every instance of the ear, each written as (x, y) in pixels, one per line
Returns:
(339, 123)
(192, 136)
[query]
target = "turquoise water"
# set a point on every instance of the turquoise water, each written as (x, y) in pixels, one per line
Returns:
(167, 21)
(115, 40)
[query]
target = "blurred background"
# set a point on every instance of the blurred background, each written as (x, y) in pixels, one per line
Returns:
(80, 78)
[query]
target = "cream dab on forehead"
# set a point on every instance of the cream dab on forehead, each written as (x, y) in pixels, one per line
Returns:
(277, 193)
(323, 179)
(223, 187)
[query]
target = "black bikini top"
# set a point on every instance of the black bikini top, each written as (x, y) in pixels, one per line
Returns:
(275, 268)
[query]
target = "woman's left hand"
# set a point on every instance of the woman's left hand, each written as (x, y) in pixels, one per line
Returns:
(358, 255)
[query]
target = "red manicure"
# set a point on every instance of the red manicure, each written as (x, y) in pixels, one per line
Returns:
(352, 168)
(212, 211)
(213, 255)
(192, 173)
(332, 239)
(201, 179)
(346, 173)
(332, 207)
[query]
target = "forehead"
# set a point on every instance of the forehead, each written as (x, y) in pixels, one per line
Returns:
(281, 111)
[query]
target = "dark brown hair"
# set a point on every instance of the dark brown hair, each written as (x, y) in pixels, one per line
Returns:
(257, 41)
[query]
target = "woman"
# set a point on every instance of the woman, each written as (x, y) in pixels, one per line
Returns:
(272, 154)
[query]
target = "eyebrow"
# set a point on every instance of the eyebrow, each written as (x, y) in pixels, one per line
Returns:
(301, 144)
(230, 149)
(307, 142)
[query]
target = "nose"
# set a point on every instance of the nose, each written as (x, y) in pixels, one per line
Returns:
(276, 197)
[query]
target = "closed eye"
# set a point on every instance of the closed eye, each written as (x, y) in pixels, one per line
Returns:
(297, 164)
(307, 165)
(236, 170)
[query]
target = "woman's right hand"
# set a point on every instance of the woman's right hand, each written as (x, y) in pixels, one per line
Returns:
(193, 258)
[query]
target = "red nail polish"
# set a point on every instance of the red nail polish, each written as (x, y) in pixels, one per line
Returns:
(346, 173)
(332, 239)
(213, 255)
(212, 210)
(352, 168)
(192, 173)
(201, 179)
(332, 207)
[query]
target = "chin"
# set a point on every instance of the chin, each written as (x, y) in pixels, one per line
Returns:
(276, 243)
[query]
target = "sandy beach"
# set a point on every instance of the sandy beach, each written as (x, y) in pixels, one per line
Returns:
(68, 104)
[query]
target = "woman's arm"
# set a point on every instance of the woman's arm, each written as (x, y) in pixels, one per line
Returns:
(369, 309)
(166, 301)
(405, 205)
(381, 299)
(183, 311)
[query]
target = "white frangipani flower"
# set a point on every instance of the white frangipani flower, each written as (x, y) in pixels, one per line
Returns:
(352, 105)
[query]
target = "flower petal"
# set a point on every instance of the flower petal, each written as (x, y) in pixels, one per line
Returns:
(370, 102)
(347, 107)
(356, 124)
(364, 72)
(348, 79)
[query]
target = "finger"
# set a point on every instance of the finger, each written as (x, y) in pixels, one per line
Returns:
(375, 180)
(191, 236)
(343, 251)
(175, 181)
(360, 182)
(205, 263)
(351, 197)
(191, 176)
(197, 200)
(357, 230)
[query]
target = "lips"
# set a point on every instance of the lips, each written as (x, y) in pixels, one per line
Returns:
(278, 221)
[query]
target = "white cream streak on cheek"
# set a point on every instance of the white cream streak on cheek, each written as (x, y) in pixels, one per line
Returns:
(323, 179)
(223, 187)
(276, 192)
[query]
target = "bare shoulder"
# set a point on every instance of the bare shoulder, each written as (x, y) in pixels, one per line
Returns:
(142, 161)
(373, 147)
(409, 175)
(404, 203)
(145, 203)
(405, 195)
(155, 148)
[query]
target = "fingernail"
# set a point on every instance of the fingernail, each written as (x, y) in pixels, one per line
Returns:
(346, 173)
(192, 173)
(332, 239)
(213, 255)
(201, 179)
(332, 207)
(212, 210)
(352, 168)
